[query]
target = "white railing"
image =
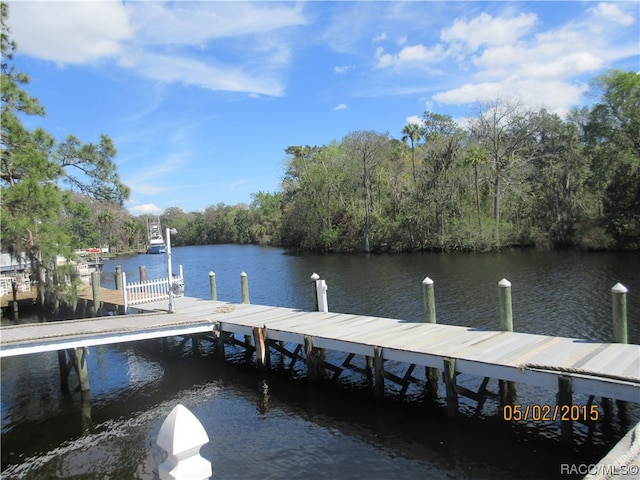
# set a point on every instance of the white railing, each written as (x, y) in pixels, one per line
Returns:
(5, 285)
(135, 293)
(23, 283)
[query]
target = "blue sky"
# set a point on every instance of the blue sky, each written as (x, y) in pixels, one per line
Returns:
(202, 98)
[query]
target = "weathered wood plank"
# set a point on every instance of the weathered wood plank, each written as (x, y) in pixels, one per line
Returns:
(595, 368)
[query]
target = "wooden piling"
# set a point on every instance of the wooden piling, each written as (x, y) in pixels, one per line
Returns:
(506, 316)
(314, 359)
(378, 367)
(142, 271)
(14, 303)
(218, 345)
(244, 286)
(64, 370)
(619, 307)
(95, 289)
(620, 332)
(507, 389)
(314, 290)
(118, 277)
(212, 286)
(82, 368)
(449, 375)
(564, 402)
(429, 300)
(263, 361)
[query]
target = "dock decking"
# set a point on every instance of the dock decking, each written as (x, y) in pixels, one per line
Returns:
(610, 370)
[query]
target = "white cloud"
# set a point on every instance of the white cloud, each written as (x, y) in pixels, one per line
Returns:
(505, 57)
(613, 13)
(169, 69)
(161, 40)
(410, 56)
(555, 95)
(414, 119)
(69, 32)
(342, 69)
(147, 208)
(341, 106)
(196, 23)
(380, 38)
(469, 35)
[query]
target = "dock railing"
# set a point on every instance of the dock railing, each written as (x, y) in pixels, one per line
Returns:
(136, 293)
(5, 285)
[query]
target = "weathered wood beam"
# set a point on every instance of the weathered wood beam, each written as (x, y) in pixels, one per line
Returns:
(449, 374)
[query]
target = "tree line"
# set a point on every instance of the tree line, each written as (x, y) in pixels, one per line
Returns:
(509, 176)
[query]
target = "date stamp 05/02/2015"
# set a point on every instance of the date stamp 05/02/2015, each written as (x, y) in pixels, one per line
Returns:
(550, 413)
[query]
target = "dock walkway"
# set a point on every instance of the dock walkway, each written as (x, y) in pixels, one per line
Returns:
(610, 370)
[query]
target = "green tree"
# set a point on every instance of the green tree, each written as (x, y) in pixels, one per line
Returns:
(557, 179)
(412, 132)
(369, 149)
(504, 130)
(613, 145)
(82, 228)
(31, 168)
(475, 157)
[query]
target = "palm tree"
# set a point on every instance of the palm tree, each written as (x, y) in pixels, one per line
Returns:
(476, 155)
(412, 132)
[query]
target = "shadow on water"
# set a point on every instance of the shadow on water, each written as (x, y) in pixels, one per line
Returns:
(261, 425)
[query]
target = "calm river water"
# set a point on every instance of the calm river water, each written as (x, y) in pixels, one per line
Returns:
(265, 426)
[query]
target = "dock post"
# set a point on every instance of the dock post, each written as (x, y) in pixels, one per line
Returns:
(218, 342)
(449, 375)
(319, 288)
(620, 333)
(262, 351)
(619, 297)
(65, 367)
(212, 286)
(118, 277)
(378, 368)
(14, 303)
(565, 400)
(95, 288)
(244, 285)
(80, 357)
(314, 359)
(429, 299)
(314, 289)
(506, 316)
(125, 296)
(142, 272)
(507, 388)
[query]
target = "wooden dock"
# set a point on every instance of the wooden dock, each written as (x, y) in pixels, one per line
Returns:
(390, 349)
(610, 370)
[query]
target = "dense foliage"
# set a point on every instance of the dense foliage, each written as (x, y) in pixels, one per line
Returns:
(509, 177)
